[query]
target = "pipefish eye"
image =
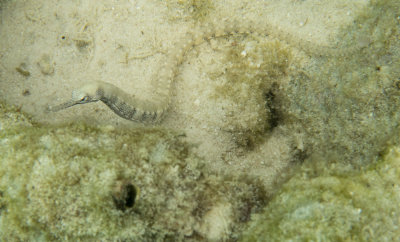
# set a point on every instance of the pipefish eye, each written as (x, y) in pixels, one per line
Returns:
(85, 99)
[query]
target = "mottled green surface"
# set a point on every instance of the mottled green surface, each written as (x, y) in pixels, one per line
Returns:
(61, 183)
(347, 106)
(254, 69)
(334, 203)
(58, 183)
(343, 102)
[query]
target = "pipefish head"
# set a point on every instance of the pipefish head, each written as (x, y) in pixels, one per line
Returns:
(86, 94)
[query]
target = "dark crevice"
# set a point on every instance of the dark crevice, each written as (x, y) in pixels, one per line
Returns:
(270, 104)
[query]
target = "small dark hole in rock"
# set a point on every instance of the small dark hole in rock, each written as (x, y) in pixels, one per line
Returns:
(131, 195)
(124, 195)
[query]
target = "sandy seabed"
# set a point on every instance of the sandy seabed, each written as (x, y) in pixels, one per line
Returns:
(50, 48)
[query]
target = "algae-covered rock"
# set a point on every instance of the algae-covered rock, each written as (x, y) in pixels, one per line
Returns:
(334, 203)
(10, 117)
(245, 92)
(76, 182)
(347, 105)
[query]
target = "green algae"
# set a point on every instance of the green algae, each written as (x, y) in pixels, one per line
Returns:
(347, 105)
(334, 203)
(79, 182)
(344, 103)
(11, 117)
(254, 68)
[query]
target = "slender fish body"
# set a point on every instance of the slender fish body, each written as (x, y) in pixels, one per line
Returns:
(152, 111)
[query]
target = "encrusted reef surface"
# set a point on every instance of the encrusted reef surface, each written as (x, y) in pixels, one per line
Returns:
(343, 102)
(340, 109)
(76, 182)
(347, 106)
(335, 203)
